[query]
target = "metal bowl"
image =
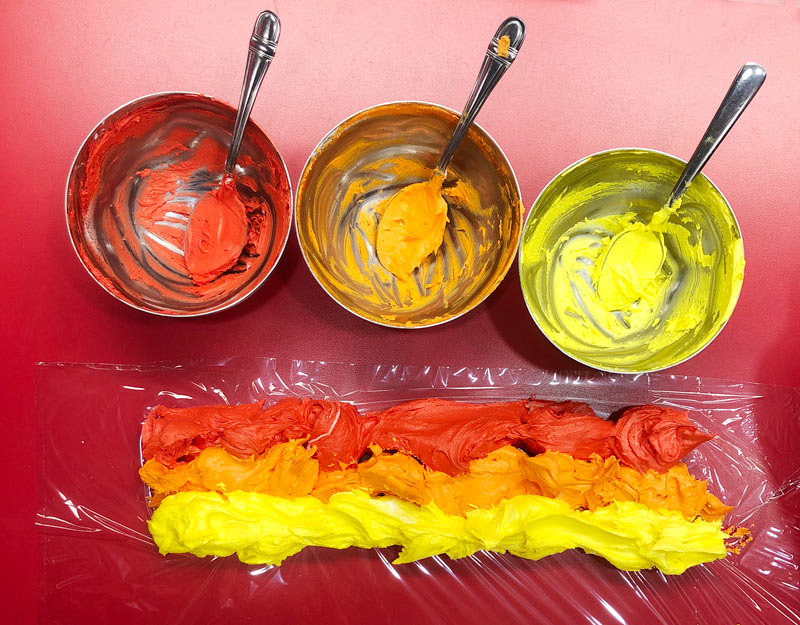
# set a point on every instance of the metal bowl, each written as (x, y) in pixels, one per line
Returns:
(369, 157)
(703, 261)
(138, 260)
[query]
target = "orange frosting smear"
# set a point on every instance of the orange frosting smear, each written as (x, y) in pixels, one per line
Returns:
(289, 470)
(739, 537)
(216, 234)
(285, 470)
(502, 46)
(595, 483)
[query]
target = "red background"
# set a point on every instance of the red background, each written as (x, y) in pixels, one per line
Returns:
(592, 75)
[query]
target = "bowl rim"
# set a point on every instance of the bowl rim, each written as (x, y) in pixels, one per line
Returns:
(493, 142)
(116, 296)
(575, 165)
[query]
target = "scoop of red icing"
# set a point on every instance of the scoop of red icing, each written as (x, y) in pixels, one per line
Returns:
(655, 437)
(216, 233)
(176, 435)
(445, 435)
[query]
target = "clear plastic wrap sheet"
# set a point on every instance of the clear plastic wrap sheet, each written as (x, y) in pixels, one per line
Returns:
(99, 564)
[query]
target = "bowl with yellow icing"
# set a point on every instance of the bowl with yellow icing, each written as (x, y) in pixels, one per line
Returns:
(346, 186)
(617, 280)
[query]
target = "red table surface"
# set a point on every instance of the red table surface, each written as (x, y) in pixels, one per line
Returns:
(592, 75)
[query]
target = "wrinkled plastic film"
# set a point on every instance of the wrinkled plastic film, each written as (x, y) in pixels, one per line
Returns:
(99, 564)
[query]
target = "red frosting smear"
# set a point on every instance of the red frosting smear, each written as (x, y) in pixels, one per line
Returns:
(569, 427)
(177, 435)
(655, 437)
(216, 234)
(444, 435)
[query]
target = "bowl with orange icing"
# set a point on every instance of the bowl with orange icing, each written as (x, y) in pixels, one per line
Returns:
(154, 221)
(370, 248)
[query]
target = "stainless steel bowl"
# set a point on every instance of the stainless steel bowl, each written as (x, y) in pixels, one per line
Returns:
(367, 158)
(122, 251)
(575, 207)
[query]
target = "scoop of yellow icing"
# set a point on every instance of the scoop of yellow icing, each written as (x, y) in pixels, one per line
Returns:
(263, 529)
(412, 226)
(630, 269)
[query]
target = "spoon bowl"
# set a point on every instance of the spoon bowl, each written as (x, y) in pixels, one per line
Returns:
(413, 220)
(365, 160)
(600, 197)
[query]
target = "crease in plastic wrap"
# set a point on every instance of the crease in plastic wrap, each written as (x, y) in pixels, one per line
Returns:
(98, 563)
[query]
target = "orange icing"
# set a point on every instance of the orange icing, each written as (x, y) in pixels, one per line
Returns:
(288, 470)
(348, 250)
(502, 46)
(412, 226)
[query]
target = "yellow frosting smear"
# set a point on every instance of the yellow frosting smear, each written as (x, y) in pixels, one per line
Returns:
(412, 226)
(630, 269)
(263, 529)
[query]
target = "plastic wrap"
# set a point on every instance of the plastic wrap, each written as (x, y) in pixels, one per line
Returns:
(99, 565)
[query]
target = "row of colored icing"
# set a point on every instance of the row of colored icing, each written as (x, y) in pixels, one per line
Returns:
(288, 470)
(444, 435)
(263, 529)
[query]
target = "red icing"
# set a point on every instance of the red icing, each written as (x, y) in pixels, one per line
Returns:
(176, 435)
(444, 435)
(216, 234)
(655, 437)
(570, 427)
(210, 258)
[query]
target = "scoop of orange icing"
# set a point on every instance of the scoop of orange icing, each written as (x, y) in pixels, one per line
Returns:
(285, 470)
(411, 226)
(594, 483)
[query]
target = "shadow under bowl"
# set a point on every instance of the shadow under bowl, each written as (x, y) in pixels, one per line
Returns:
(134, 249)
(363, 162)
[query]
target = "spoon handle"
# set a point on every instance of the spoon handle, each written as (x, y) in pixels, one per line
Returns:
(494, 66)
(746, 84)
(263, 42)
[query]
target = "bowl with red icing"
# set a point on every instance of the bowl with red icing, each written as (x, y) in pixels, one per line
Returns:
(153, 220)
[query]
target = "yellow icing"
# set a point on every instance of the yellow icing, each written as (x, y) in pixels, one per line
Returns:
(632, 286)
(264, 529)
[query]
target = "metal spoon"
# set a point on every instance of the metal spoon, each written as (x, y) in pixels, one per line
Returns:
(402, 242)
(744, 87)
(494, 66)
(648, 246)
(217, 229)
(263, 42)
